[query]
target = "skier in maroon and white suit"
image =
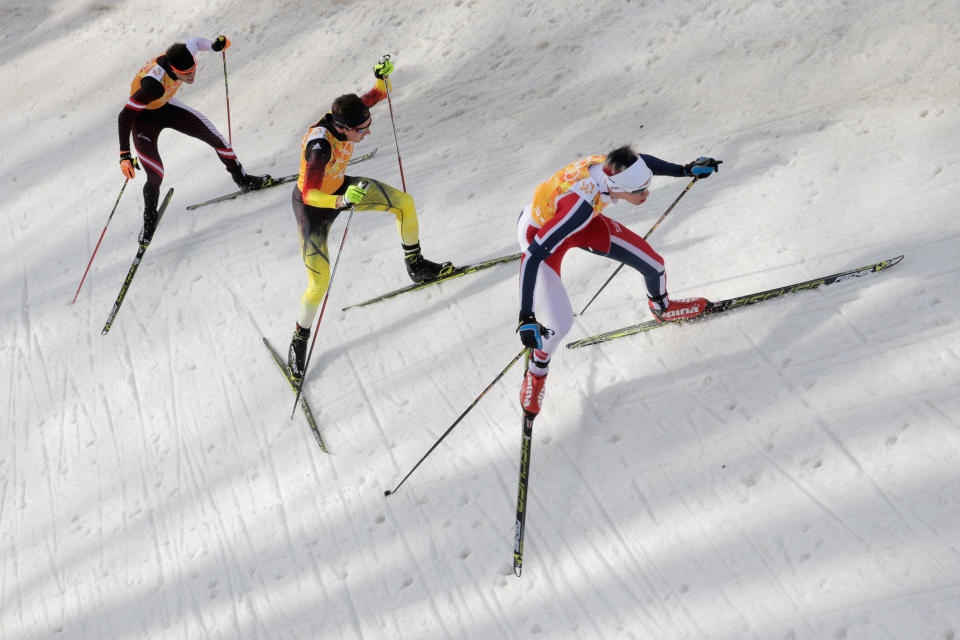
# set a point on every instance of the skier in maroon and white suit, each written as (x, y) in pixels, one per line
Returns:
(151, 108)
(566, 213)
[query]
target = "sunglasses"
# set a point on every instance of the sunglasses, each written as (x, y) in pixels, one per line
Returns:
(359, 129)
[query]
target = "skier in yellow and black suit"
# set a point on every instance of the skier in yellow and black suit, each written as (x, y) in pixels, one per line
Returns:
(324, 190)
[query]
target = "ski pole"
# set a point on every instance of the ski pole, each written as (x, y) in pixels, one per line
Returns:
(520, 525)
(326, 296)
(102, 233)
(389, 492)
(226, 90)
(655, 225)
(386, 83)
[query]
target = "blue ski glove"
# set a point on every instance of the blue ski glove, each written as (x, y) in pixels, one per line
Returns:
(702, 167)
(531, 332)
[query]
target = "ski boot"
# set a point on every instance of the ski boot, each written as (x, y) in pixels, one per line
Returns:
(150, 220)
(532, 388)
(297, 354)
(666, 310)
(531, 392)
(248, 182)
(420, 269)
(150, 216)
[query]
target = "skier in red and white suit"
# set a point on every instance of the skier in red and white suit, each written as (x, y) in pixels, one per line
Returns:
(566, 212)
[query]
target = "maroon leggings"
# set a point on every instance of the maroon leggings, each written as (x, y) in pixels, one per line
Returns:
(177, 116)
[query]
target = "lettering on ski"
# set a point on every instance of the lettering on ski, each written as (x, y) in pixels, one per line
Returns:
(456, 273)
(133, 269)
(720, 306)
(521, 520)
(276, 183)
(307, 412)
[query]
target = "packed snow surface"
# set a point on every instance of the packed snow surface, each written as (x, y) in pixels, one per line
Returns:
(785, 471)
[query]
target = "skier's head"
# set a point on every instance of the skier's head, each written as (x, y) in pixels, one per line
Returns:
(351, 116)
(181, 61)
(628, 177)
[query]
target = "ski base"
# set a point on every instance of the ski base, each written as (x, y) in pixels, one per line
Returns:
(276, 183)
(142, 249)
(520, 526)
(307, 412)
(456, 273)
(714, 308)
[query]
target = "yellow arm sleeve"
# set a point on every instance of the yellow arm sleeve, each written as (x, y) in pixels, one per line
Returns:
(317, 198)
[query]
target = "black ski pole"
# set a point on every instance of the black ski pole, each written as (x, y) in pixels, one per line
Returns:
(655, 225)
(521, 522)
(457, 421)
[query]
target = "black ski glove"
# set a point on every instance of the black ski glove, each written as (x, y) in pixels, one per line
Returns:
(702, 167)
(221, 43)
(531, 332)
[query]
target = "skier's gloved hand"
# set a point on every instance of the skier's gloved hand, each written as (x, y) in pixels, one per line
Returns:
(702, 167)
(354, 194)
(531, 332)
(383, 68)
(222, 42)
(128, 164)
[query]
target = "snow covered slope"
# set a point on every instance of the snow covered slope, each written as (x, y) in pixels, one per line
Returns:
(786, 471)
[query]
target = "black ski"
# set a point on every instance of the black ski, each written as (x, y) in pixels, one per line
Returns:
(456, 273)
(308, 414)
(714, 308)
(522, 492)
(276, 182)
(133, 268)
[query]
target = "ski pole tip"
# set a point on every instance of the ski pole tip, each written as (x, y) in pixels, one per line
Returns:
(387, 492)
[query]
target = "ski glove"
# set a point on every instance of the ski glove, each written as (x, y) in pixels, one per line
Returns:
(221, 43)
(127, 164)
(354, 194)
(383, 68)
(531, 332)
(702, 167)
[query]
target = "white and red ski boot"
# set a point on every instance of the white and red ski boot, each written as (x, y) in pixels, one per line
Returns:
(531, 392)
(666, 310)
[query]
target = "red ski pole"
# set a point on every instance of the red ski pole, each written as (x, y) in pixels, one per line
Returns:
(386, 83)
(102, 233)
